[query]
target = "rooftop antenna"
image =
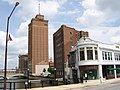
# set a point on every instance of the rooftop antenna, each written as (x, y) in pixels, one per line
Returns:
(39, 8)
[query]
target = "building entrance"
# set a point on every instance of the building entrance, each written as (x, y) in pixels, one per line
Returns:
(75, 77)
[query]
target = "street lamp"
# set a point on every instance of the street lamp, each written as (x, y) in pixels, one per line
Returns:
(54, 73)
(55, 80)
(5, 67)
(28, 74)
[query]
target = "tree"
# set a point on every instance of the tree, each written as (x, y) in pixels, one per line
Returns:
(51, 70)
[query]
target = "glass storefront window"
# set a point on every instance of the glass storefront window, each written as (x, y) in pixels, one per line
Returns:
(90, 71)
(118, 70)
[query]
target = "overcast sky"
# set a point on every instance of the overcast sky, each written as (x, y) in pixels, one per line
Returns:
(101, 18)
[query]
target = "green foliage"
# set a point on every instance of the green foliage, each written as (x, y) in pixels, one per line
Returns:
(51, 70)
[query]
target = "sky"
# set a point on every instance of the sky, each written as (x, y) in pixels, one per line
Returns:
(101, 18)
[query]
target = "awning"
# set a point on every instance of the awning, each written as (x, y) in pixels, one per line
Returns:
(113, 68)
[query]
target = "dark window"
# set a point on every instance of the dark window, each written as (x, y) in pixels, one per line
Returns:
(109, 56)
(89, 53)
(115, 56)
(70, 39)
(96, 54)
(119, 56)
(105, 55)
(82, 55)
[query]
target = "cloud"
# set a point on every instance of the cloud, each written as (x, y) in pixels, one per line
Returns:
(109, 5)
(87, 4)
(15, 47)
(93, 14)
(99, 12)
(51, 31)
(23, 29)
(91, 18)
(28, 9)
(2, 47)
(110, 8)
(108, 35)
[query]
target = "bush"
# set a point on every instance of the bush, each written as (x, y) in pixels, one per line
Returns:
(51, 70)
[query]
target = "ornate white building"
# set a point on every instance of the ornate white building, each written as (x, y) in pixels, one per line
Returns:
(94, 59)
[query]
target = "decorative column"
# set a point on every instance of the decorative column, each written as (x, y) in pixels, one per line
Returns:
(100, 73)
(93, 53)
(85, 53)
(77, 62)
(115, 71)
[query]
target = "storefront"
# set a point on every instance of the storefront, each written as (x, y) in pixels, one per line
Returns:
(97, 60)
(118, 70)
(108, 71)
(91, 72)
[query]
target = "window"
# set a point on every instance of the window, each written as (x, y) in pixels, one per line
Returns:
(89, 53)
(117, 56)
(111, 55)
(117, 46)
(70, 39)
(96, 53)
(103, 55)
(82, 56)
(70, 35)
(107, 55)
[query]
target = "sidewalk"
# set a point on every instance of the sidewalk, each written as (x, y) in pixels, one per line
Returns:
(73, 86)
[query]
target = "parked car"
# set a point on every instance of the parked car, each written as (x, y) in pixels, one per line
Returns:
(45, 74)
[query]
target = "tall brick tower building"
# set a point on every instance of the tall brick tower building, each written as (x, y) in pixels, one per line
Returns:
(64, 39)
(38, 44)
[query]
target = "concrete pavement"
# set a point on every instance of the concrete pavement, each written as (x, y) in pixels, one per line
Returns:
(73, 86)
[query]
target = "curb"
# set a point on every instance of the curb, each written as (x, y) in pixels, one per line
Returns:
(73, 86)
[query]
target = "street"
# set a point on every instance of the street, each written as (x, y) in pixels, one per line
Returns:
(107, 86)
